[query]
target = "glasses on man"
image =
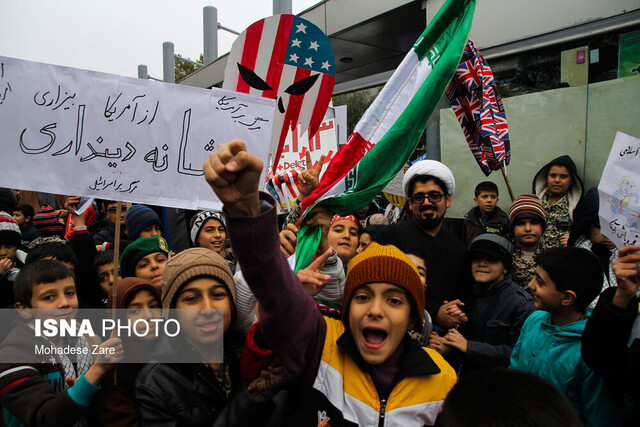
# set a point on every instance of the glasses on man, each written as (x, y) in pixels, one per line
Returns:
(432, 196)
(113, 210)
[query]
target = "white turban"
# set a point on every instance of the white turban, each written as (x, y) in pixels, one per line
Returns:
(432, 168)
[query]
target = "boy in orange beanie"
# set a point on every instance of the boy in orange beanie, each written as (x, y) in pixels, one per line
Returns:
(362, 370)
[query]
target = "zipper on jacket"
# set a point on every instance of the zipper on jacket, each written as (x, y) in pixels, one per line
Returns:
(383, 407)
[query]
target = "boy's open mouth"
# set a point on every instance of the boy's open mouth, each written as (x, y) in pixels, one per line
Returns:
(373, 337)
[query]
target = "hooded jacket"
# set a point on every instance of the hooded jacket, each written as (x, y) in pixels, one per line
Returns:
(540, 188)
(114, 403)
(553, 353)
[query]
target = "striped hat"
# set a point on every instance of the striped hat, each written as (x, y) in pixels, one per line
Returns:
(526, 206)
(138, 218)
(198, 221)
(47, 222)
(9, 230)
(384, 263)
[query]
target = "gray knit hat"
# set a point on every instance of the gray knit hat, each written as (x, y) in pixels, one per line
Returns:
(192, 263)
(198, 221)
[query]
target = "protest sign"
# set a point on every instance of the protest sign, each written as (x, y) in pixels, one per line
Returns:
(618, 191)
(324, 142)
(283, 185)
(77, 132)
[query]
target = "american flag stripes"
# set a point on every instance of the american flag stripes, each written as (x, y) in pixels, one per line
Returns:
(291, 60)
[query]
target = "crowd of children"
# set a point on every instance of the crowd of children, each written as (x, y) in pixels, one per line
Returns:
(412, 323)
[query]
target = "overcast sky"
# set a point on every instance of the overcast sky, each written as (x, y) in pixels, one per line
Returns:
(115, 36)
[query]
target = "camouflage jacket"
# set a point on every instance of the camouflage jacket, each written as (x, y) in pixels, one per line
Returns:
(523, 269)
(558, 221)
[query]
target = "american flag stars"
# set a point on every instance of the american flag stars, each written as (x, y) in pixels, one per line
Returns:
(289, 59)
(309, 48)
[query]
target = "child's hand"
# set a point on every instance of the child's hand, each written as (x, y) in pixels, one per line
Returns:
(309, 178)
(312, 280)
(70, 381)
(446, 319)
(627, 271)
(70, 203)
(111, 352)
(435, 341)
(105, 362)
(563, 240)
(234, 175)
(455, 340)
(453, 309)
(288, 240)
(321, 216)
(6, 264)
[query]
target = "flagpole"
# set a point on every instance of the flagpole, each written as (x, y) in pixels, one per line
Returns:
(503, 169)
(116, 268)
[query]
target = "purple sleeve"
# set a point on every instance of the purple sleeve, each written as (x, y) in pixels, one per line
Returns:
(291, 324)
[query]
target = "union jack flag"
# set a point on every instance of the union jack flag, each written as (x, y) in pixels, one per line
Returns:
(478, 106)
(291, 60)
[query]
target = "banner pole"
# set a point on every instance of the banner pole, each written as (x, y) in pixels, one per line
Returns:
(503, 169)
(116, 269)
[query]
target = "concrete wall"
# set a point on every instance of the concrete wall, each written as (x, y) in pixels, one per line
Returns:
(578, 121)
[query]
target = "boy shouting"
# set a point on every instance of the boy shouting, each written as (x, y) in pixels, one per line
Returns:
(362, 370)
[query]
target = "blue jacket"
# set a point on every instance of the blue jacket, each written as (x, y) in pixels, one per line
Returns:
(553, 353)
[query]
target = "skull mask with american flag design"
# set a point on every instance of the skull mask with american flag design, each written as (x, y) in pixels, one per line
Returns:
(291, 60)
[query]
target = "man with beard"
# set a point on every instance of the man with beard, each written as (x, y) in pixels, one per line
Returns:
(428, 186)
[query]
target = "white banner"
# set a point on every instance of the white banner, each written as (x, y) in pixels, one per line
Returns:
(77, 132)
(619, 193)
(283, 185)
(294, 150)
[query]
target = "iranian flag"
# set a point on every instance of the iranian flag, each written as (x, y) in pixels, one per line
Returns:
(388, 132)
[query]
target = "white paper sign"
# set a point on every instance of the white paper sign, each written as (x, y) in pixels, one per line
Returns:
(619, 192)
(324, 142)
(77, 132)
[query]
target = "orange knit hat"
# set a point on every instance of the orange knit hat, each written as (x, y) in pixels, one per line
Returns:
(378, 263)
